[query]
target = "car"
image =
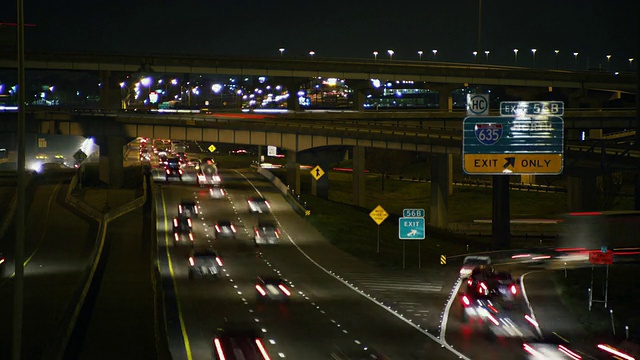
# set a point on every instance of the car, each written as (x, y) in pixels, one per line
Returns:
(271, 288)
(266, 233)
(188, 207)
(258, 204)
(225, 228)
(182, 231)
(470, 262)
(203, 179)
(173, 169)
(204, 262)
(236, 343)
(549, 348)
(217, 192)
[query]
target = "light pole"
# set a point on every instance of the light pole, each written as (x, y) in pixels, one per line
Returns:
(390, 52)
(630, 63)
(575, 60)
(375, 55)
(486, 53)
(281, 51)
(533, 51)
(515, 56)
(557, 52)
(608, 62)
(420, 52)
(435, 52)
(475, 56)
(311, 53)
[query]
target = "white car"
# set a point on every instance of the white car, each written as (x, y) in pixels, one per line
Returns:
(470, 262)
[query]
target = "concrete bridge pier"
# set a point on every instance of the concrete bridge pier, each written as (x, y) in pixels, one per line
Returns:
(445, 96)
(441, 170)
(582, 193)
(111, 163)
(359, 88)
(110, 92)
(293, 85)
(293, 171)
(358, 175)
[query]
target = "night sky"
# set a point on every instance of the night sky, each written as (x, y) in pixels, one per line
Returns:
(593, 28)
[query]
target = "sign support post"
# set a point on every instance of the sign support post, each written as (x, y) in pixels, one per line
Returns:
(404, 257)
(378, 215)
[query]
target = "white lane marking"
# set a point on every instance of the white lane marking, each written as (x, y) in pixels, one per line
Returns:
(445, 317)
(380, 304)
(526, 300)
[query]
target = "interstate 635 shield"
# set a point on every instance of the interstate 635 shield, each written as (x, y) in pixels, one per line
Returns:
(488, 134)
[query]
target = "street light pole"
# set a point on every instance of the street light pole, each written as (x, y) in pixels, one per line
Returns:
(479, 28)
(475, 56)
(18, 285)
(486, 52)
(434, 54)
(420, 55)
(608, 62)
(575, 61)
(390, 52)
(375, 55)
(281, 51)
(533, 51)
(557, 52)
(515, 56)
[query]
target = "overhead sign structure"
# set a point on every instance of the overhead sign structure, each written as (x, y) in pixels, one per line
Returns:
(501, 145)
(411, 228)
(524, 108)
(601, 258)
(211, 148)
(477, 104)
(378, 214)
(317, 172)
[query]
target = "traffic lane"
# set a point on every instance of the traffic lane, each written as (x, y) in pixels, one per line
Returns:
(342, 301)
(555, 318)
(477, 338)
(300, 328)
(352, 311)
(58, 242)
(201, 294)
(303, 328)
(420, 296)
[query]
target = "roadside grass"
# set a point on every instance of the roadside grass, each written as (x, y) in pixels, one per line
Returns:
(623, 290)
(352, 230)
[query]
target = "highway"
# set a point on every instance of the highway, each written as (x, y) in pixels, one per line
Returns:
(54, 262)
(324, 313)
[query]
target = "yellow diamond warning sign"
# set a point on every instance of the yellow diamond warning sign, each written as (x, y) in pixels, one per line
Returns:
(317, 172)
(211, 148)
(378, 215)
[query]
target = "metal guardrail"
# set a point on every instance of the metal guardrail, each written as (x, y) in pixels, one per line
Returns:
(291, 198)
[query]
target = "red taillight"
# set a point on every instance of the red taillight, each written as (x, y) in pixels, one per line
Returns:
(217, 228)
(1, 260)
(191, 237)
(268, 205)
(284, 290)
(180, 171)
(168, 171)
(530, 350)
(218, 261)
(195, 208)
(569, 353)
(531, 320)
(263, 351)
(192, 262)
(277, 234)
(469, 282)
(175, 222)
(257, 233)
(465, 300)
(514, 289)
(233, 228)
(261, 290)
(614, 351)
(176, 236)
(189, 222)
(180, 209)
(218, 346)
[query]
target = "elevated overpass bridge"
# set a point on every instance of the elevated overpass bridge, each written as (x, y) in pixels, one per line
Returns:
(437, 133)
(440, 76)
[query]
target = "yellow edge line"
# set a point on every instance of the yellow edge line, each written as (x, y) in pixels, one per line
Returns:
(185, 338)
(563, 339)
